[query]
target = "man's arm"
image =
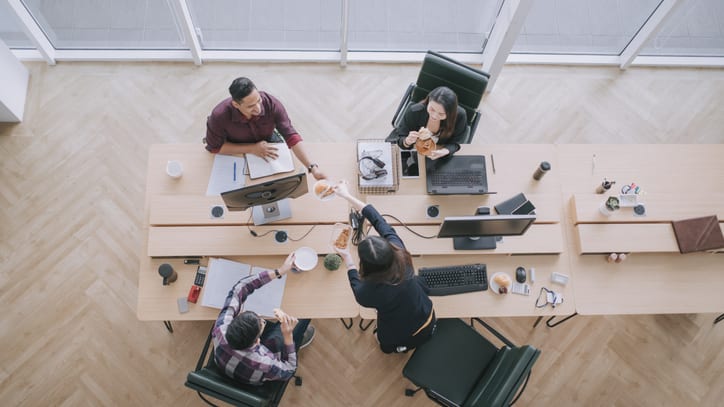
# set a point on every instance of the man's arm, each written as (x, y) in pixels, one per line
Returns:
(301, 154)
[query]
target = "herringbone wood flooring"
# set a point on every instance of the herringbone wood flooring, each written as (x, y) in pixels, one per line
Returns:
(71, 206)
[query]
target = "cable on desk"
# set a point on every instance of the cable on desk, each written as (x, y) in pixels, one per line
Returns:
(357, 221)
(255, 234)
(385, 215)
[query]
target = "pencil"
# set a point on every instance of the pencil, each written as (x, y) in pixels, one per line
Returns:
(492, 162)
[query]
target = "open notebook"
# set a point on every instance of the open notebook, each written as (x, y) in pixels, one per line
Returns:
(221, 276)
(259, 168)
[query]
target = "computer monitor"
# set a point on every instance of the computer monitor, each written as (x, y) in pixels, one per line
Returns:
(480, 232)
(268, 200)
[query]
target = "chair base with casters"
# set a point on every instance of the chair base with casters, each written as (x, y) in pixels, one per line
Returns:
(211, 381)
(460, 367)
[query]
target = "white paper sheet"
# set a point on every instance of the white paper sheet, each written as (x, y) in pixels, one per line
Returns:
(380, 150)
(223, 173)
(259, 168)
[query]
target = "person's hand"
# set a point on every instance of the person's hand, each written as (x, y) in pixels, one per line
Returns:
(317, 173)
(287, 323)
(345, 254)
(342, 189)
(411, 138)
(287, 265)
(266, 151)
(435, 154)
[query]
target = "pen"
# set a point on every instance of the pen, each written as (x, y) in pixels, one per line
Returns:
(234, 170)
(492, 161)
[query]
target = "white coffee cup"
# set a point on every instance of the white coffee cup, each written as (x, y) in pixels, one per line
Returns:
(174, 169)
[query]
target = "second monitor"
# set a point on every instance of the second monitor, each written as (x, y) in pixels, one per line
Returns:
(480, 232)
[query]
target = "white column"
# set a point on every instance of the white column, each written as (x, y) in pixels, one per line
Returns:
(33, 31)
(13, 86)
(507, 26)
(186, 24)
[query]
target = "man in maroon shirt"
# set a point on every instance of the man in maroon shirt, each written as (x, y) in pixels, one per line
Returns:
(244, 123)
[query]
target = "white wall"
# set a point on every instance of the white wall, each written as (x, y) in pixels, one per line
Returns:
(13, 86)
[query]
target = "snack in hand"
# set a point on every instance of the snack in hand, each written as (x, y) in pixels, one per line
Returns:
(343, 238)
(425, 145)
(323, 189)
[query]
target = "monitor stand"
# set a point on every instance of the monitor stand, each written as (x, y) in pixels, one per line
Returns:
(475, 243)
(272, 212)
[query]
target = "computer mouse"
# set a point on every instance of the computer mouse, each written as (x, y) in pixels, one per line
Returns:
(433, 211)
(520, 275)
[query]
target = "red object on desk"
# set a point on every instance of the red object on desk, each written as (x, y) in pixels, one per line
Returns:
(194, 293)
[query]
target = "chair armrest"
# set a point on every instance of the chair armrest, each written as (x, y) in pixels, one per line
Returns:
(473, 127)
(503, 377)
(491, 329)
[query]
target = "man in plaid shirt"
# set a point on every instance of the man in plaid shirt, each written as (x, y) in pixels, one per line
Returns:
(250, 350)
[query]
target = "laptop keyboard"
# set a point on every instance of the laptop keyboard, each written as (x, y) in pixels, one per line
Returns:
(457, 178)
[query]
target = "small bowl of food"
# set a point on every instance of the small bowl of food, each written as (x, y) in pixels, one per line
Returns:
(323, 190)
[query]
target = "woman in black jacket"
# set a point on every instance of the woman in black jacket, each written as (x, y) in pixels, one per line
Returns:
(386, 281)
(440, 114)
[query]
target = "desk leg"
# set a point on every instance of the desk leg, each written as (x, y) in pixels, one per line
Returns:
(537, 321)
(364, 328)
(719, 318)
(347, 325)
(168, 326)
(551, 325)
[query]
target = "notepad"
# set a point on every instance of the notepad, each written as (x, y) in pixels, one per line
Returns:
(258, 167)
(221, 276)
(226, 174)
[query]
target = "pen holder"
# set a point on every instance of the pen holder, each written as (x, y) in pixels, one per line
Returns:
(168, 273)
(174, 169)
(542, 169)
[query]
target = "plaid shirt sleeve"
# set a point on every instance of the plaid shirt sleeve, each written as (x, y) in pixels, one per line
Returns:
(255, 364)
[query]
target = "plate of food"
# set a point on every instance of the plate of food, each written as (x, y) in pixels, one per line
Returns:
(341, 235)
(425, 144)
(501, 283)
(305, 258)
(324, 190)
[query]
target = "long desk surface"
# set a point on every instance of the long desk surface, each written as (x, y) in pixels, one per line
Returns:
(649, 281)
(677, 182)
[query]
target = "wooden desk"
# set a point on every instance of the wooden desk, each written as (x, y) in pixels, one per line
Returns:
(177, 223)
(678, 181)
(487, 303)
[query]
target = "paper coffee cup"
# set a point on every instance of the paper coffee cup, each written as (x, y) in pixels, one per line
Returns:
(174, 169)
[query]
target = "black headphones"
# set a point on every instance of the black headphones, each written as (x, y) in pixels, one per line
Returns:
(373, 173)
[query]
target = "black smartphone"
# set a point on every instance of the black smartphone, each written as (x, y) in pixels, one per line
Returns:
(200, 276)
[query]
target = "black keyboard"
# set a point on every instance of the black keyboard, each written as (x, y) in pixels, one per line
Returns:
(447, 280)
(457, 178)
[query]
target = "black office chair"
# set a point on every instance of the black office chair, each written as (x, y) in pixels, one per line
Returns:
(209, 380)
(460, 367)
(438, 70)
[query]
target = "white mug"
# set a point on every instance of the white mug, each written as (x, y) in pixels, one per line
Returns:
(174, 169)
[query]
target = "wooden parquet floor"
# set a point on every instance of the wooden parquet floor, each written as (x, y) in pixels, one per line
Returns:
(71, 205)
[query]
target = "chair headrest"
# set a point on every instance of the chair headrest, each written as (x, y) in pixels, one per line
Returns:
(467, 82)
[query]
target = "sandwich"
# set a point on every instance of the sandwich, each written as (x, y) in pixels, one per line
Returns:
(425, 145)
(322, 189)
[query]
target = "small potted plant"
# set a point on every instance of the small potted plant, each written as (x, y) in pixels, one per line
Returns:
(611, 205)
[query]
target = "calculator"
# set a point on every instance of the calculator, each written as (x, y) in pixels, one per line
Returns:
(520, 288)
(200, 276)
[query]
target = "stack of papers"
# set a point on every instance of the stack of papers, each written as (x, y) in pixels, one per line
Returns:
(223, 274)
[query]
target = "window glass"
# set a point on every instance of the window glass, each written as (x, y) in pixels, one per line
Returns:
(696, 28)
(10, 29)
(107, 24)
(268, 24)
(413, 25)
(593, 27)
